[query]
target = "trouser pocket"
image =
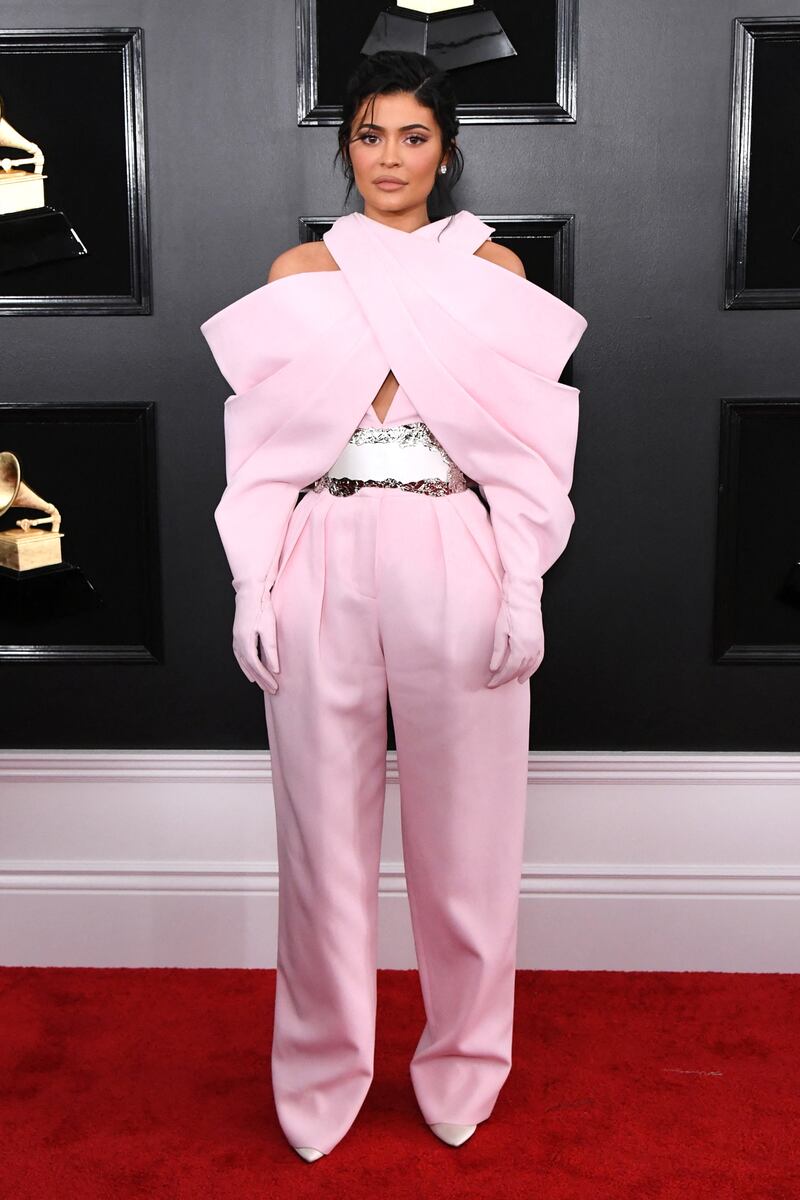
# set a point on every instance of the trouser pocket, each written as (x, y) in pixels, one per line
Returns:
(478, 525)
(297, 521)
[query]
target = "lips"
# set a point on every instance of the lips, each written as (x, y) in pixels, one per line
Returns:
(388, 179)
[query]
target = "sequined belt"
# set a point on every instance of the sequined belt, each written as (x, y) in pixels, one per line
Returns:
(400, 456)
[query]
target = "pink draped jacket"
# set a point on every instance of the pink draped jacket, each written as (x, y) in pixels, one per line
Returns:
(477, 348)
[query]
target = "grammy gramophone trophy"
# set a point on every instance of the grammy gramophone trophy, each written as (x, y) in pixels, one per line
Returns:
(26, 546)
(37, 588)
(31, 231)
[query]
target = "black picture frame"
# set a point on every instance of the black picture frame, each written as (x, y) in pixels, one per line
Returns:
(95, 162)
(762, 256)
(544, 241)
(97, 464)
(757, 579)
(537, 86)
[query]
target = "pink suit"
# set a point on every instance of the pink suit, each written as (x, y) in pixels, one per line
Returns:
(398, 592)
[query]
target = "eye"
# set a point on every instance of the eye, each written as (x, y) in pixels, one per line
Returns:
(416, 138)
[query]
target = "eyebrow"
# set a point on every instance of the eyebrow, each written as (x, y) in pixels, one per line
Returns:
(372, 125)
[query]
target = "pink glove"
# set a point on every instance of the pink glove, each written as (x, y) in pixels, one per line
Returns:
(254, 623)
(518, 637)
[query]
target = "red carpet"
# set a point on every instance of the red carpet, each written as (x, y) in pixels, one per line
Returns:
(155, 1083)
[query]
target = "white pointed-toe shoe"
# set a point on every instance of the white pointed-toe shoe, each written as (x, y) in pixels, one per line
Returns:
(454, 1135)
(308, 1153)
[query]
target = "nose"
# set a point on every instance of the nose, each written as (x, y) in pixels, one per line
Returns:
(391, 155)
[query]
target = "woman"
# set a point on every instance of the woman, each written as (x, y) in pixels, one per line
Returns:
(384, 370)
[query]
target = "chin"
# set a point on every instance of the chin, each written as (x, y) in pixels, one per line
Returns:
(392, 200)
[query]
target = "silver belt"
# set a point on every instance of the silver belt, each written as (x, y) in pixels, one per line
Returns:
(407, 456)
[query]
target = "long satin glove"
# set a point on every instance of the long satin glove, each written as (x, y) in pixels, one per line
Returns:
(253, 628)
(518, 647)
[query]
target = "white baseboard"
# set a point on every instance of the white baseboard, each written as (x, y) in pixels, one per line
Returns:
(634, 861)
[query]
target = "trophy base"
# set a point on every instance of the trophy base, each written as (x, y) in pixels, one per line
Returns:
(43, 594)
(452, 39)
(25, 549)
(36, 236)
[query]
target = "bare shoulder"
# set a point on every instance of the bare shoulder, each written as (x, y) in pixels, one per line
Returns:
(501, 256)
(307, 256)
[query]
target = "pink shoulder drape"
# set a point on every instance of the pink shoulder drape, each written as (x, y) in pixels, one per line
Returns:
(477, 348)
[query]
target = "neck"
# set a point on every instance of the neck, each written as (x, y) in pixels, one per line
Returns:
(408, 221)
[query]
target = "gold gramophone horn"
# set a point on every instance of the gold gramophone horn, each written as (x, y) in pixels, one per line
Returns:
(15, 493)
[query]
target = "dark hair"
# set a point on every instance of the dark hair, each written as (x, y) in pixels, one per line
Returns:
(392, 71)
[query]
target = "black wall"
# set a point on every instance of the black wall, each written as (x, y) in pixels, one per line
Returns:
(628, 608)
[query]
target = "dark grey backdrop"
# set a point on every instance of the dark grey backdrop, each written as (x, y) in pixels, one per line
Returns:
(628, 608)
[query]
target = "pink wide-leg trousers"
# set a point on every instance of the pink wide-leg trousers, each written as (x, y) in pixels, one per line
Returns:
(398, 592)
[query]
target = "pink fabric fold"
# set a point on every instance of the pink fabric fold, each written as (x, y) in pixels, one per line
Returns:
(477, 349)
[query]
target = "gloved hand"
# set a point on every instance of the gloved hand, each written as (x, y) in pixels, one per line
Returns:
(254, 625)
(518, 637)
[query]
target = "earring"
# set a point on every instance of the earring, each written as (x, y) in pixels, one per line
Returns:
(443, 169)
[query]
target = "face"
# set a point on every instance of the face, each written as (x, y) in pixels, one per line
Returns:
(395, 136)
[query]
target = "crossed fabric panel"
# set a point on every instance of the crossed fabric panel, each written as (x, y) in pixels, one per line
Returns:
(477, 348)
